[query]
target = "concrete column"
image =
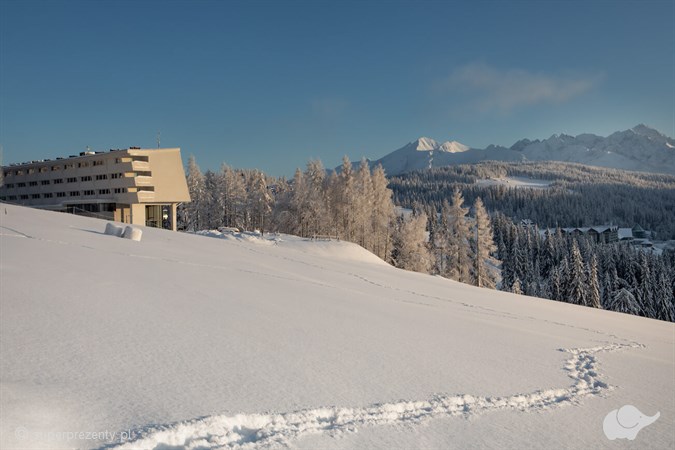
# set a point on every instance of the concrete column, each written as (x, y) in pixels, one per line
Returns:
(174, 216)
(138, 214)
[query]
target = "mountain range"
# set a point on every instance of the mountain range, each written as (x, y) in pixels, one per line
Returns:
(640, 148)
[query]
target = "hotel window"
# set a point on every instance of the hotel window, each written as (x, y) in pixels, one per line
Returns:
(98, 163)
(24, 197)
(29, 171)
(32, 183)
(103, 191)
(44, 182)
(47, 195)
(12, 197)
(88, 192)
(74, 193)
(120, 190)
(83, 164)
(60, 194)
(19, 172)
(69, 166)
(86, 178)
(9, 185)
(56, 168)
(20, 184)
(35, 196)
(43, 169)
(58, 181)
(102, 177)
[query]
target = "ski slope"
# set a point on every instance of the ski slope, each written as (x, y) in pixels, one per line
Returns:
(218, 341)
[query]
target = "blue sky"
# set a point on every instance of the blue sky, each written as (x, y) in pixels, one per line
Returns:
(270, 85)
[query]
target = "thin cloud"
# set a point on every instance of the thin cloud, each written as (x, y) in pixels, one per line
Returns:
(328, 107)
(489, 89)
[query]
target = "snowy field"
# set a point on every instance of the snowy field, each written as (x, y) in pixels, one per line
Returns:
(517, 182)
(182, 341)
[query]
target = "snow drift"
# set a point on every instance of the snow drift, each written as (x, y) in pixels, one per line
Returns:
(189, 341)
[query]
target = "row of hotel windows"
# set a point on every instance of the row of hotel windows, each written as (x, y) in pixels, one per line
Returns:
(63, 194)
(43, 169)
(68, 180)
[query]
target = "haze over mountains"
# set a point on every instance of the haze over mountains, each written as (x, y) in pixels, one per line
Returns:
(640, 148)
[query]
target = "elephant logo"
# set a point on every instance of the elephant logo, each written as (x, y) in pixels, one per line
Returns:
(626, 422)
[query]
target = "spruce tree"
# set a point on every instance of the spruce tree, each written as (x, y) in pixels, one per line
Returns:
(576, 284)
(593, 299)
(624, 302)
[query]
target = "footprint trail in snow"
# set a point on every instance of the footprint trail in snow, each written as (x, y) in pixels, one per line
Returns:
(258, 430)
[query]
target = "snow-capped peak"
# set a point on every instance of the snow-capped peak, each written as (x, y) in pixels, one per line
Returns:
(453, 147)
(425, 144)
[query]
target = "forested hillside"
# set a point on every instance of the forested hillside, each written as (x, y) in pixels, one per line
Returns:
(465, 229)
(577, 195)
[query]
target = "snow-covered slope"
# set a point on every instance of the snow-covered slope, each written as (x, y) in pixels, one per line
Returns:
(640, 148)
(188, 341)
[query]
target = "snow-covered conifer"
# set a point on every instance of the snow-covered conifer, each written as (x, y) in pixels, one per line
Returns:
(483, 246)
(459, 262)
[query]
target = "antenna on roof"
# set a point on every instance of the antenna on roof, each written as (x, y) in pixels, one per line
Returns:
(159, 133)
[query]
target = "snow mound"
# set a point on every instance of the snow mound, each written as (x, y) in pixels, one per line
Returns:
(254, 237)
(113, 230)
(132, 233)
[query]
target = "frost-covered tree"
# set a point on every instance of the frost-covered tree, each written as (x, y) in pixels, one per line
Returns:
(314, 211)
(363, 205)
(259, 200)
(382, 214)
(575, 279)
(410, 246)
(483, 246)
(232, 192)
(194, 211)
(344, 200)
(439, 237)
(593, 298)
(624, 302)
(458, 235)
(555, 283)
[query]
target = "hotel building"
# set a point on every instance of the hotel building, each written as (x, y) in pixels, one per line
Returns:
(136, 186)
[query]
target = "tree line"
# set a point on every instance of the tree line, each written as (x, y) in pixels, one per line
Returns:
(351, 204)
(440, 234)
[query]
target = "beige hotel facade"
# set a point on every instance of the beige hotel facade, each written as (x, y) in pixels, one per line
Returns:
(135, 186)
